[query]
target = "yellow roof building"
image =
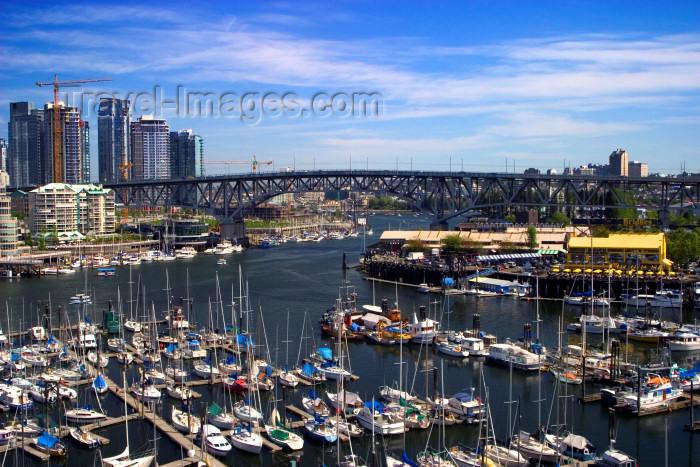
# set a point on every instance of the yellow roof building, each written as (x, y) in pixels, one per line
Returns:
(625, 251)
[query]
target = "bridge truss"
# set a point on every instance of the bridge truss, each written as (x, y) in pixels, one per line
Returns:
(440, 194)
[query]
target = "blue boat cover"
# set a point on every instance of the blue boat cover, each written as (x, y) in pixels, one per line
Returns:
(99, 382)
(87, 320)
(47, 440)
(326, 353)
(268, 371)
(375, 406)
(354, 327)
(51, 340)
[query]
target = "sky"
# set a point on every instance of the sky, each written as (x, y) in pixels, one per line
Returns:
(485, 86)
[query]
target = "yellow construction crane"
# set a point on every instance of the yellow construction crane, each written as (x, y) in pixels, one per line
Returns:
(58, 161)
(125, 172)
(255, 162)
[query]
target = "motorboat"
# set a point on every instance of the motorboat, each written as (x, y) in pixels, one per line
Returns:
(185, 252)
(80, 299)
(83, 414)
(614, 458)
(212, 441)
(508, 353)
(565, 376)
(245, 439)
(424, 330)
(658, 392)
(684, 341)
(84, 438)
(454, 350)
(376, 418)
(666, 298)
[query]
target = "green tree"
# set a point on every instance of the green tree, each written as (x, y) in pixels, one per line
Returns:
(510, 218)
(28, 240)
(532, 237)
(558, 218)
(54, 235)
(19, 215)
(683, 246)
(42, 243)
(452, 243)
(414, 244)
(601, 231)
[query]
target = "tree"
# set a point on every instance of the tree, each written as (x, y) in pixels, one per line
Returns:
(683, 246)
(601, 231)
(510, 218)
(451, 243)
(558, 218)
(19, 215)
(28, 240)
(42, 243)
(414, 244)
(532, 237)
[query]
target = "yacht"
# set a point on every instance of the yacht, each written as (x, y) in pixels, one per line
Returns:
(522, 359)
(185, 252)
(666, 298)
(684, 341)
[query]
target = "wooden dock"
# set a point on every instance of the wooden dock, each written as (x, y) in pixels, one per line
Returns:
(164, 427)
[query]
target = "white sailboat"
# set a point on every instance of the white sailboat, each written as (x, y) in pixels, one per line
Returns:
(124, 459)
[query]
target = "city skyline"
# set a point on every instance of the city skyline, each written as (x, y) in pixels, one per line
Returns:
(478, 86)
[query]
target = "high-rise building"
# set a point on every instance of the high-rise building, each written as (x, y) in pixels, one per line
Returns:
(75, 140)
(71, 208)
(150, 149)
(638, 169)
(3, 154)
(619, 161)
(9, 226)
(24, 152)
(113, 140)
(186, 154)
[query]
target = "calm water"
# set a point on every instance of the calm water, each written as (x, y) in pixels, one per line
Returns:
(303, 280)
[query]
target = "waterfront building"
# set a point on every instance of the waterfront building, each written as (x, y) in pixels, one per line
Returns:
(75, 145)
(68, 209)
(638, 169)
(187, 232)
(113, 140)
(150, 149)
(637, 251)
(9, 226)
(24, 151)
(619, 163)
(506, 239)
(186, 154)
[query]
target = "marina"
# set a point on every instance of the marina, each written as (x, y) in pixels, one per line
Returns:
(307, 277)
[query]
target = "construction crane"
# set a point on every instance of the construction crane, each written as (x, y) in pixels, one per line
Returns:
(58, 161)
(255, 162)
(125, 172)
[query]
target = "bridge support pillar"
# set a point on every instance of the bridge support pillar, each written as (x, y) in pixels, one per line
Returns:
(664, 219)
(439, 225)
(235, 232)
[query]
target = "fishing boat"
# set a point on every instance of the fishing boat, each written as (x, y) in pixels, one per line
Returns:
(84, 438)
(212, 441)
(281, 435)
(422, 329)
(50, 445)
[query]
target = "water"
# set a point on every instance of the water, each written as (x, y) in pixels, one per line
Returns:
(305, 278)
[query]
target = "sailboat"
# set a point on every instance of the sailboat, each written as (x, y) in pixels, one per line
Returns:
(281, 435)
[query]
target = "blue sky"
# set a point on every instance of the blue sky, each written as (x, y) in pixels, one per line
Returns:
(478, 85)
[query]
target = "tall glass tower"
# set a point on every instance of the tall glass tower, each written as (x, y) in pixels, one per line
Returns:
(113, 139)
